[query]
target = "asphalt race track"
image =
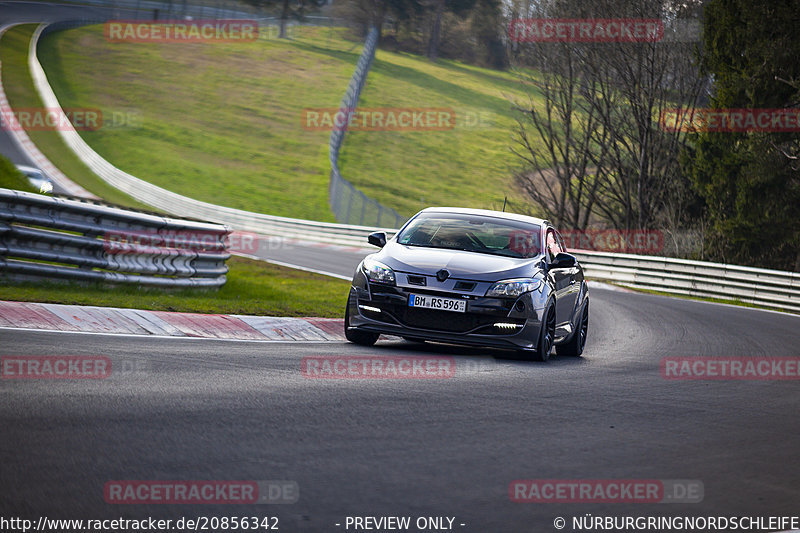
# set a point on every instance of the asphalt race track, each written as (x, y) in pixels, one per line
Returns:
(228, 410)
(211, 410)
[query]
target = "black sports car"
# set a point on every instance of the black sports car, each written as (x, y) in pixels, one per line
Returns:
(475, 277)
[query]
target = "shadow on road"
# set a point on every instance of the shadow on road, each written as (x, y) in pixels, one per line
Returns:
(441, 349)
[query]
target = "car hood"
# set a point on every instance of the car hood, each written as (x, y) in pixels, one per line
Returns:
(460, 264)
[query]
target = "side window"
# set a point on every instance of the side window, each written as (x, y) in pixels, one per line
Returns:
(551, 245)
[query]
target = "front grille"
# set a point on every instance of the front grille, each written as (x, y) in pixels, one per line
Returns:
(417, 280)
(394, 303)
(449, 321)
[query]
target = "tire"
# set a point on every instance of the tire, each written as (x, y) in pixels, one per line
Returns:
(547, 334)
(574, 348)
(362, 338)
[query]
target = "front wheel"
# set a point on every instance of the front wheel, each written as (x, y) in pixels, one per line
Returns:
(574, 347)
(547, 334)
(363, 338)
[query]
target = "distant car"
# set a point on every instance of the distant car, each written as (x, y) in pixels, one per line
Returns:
(37, 179)
(474, 277)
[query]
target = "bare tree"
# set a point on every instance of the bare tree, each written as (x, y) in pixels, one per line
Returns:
(605, 147)
(557, 139)
(639, 84)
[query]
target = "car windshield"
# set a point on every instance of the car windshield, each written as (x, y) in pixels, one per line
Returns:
(473, 233)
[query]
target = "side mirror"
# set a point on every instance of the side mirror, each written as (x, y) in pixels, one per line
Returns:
(377, 239)
(563, 260)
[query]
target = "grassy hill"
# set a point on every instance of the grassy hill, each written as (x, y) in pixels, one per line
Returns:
(223, 122)
(469, 165)
(21, 94)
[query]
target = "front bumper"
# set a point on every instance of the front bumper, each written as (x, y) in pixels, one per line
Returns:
(384, 309)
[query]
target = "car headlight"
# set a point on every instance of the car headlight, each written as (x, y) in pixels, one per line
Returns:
(511, 288)
(377, 271)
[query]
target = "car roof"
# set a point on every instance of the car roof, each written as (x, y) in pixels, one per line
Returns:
(488, 212)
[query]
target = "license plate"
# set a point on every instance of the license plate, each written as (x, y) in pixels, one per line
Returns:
(427, 301)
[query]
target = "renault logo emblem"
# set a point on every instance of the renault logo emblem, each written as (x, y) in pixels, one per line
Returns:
(442, 275)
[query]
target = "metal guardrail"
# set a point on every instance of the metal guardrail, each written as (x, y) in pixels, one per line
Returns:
(348, 204)
(46, 237)
(770, 288)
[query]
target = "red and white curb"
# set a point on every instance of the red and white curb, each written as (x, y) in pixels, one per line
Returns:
(112, 320)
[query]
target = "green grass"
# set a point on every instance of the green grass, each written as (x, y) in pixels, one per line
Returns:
(217, 122)
(222, 122)
(19, 89)
(11, 178)
(253, 288)
(470, 165)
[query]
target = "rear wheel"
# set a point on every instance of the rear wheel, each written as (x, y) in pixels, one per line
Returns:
(547, 334)
(364, 338)
(574, 347)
